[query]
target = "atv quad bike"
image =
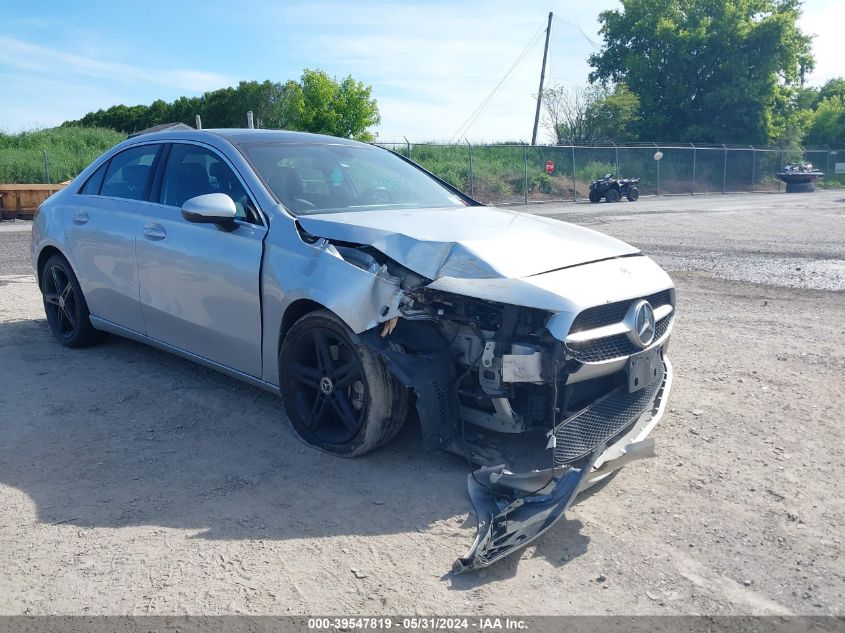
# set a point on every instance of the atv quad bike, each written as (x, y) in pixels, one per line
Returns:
(612, 189)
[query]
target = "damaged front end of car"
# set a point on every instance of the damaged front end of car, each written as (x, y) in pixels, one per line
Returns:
(547, 383)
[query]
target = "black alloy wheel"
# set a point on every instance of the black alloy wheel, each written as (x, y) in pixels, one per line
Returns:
(60, 303)
(338, 394)
(328, 383)
(65, 306)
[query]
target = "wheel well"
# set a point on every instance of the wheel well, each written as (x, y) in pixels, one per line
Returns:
(46, 253)
(296, 311)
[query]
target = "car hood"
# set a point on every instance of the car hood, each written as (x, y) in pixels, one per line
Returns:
(469, 243)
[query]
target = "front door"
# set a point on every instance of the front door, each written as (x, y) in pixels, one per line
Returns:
(200, 282)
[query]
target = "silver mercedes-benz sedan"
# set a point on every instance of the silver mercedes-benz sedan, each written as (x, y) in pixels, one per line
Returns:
(361, 287)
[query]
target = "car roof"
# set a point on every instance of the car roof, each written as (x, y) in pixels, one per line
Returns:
(243, 135)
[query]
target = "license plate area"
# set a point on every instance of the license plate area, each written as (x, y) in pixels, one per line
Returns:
(642, 369)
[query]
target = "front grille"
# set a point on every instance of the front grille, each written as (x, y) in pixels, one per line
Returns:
(614, 312)
(610, 347)
(661, 327)
(603, 420)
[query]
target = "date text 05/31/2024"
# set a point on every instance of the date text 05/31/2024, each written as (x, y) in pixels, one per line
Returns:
(432, 623)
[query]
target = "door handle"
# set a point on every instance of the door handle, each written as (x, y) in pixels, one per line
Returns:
(80, 217)
(154, 232)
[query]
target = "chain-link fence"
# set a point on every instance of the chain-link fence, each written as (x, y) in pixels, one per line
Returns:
(512, 173)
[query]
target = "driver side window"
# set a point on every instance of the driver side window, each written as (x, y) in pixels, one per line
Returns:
(192, 171)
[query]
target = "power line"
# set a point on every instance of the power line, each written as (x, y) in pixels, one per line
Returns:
(464, 129)
(595, 45)
(565, 36)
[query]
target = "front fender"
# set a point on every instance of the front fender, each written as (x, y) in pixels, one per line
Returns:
(293, 270)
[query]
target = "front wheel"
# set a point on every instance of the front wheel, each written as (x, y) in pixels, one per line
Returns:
(633, 194)
(65, 306)
(595, 196)
(612, 195)
(338, 394)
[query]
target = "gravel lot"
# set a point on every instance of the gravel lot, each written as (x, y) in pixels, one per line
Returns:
(132, 482)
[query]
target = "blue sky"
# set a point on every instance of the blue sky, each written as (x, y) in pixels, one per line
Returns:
(430, 63)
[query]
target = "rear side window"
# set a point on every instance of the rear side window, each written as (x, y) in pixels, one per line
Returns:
(130, 172)
(95, 180)
(193, 171)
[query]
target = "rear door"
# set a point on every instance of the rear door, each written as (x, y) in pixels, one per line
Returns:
(199, 283)
(100, 234)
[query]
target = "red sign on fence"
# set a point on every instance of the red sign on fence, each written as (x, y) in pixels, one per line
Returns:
(550, 167)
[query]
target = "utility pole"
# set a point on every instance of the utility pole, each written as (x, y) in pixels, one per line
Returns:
(542, 77)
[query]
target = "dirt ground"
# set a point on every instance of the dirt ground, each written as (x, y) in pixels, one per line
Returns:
(133, 482)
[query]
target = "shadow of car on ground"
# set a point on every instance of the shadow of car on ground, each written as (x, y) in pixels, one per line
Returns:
(122, 435)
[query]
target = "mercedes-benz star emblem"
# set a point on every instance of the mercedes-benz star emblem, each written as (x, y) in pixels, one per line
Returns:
(326, 385)
(640, 322)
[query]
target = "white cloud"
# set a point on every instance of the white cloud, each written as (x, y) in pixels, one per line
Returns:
(15, 53)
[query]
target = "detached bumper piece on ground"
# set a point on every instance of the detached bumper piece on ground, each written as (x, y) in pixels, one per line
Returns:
(514, 509)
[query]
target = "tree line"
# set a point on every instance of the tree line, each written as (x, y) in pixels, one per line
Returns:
(316, 103)
(707, 71)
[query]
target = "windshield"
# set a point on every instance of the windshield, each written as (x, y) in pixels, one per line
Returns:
(311, 178)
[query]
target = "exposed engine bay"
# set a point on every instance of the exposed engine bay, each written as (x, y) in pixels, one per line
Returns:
(493, 384)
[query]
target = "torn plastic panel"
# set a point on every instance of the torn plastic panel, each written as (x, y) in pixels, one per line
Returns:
(514, 509)
(421, 359)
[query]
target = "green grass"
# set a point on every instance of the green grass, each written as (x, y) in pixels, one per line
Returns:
(69, 151)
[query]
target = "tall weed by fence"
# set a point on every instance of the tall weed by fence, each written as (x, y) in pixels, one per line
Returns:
(52, 155)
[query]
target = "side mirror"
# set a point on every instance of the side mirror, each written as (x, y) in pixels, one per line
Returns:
(210, 208)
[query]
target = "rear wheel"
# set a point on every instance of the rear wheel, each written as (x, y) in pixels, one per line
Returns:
(612, 195)
(338, 394)
(65, 306)
(595, 196)
(633, 194)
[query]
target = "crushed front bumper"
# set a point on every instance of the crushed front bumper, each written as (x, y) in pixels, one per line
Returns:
(514, 509)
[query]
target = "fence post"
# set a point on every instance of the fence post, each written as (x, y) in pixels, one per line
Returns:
(781, 167)
(525, 171)
(469, 145)
(753, 166)
(827, 167)
(658, 173)
(46, 168)
(574, 177)
(408, 145)
(725, 172)
(694, 153)
(249, 122)
(197, 122)
(616, 148)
